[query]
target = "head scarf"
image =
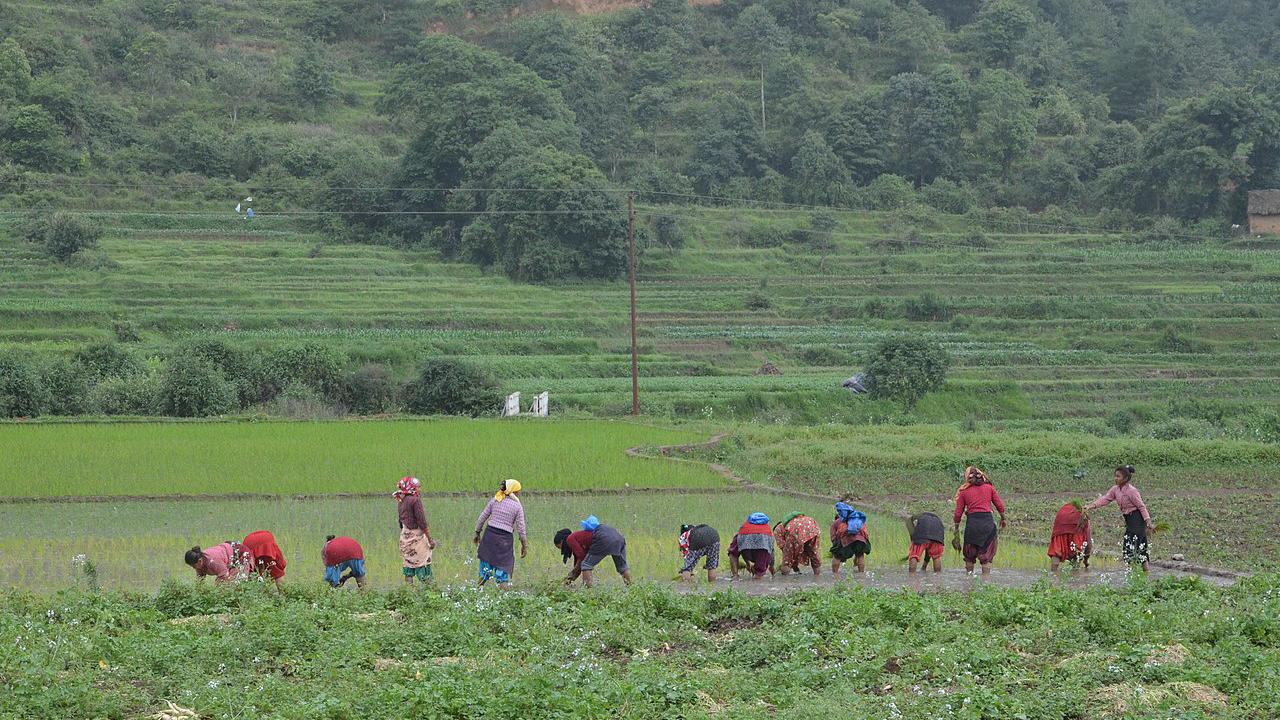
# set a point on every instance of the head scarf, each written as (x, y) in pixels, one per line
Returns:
(591, 523)
(406, 486)
(562, 535)
(758, 518)
(509, 487)
(972, 476)
(789, 518)
(685, 528)
(853, 518)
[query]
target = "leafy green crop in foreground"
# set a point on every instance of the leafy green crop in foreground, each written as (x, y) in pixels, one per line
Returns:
(1168, 649)
(285, 458)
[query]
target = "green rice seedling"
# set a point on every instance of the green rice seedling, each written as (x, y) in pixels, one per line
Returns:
(340, 457)
(139, 544)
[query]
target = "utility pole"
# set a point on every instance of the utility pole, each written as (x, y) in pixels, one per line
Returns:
(631, 273)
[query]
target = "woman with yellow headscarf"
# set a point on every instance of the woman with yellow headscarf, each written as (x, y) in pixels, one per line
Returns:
(496, 528)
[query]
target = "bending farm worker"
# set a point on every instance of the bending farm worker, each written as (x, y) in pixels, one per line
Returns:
(753, 546)
(849, 539)
(263, 556)
(589, 546)
(500, 521)
(975, 498)
(415, 537)
(698, 542)
(1072, 540)
(927, 537)
(798, 538)
(222, 561)
(1137, 519)
(342, 554)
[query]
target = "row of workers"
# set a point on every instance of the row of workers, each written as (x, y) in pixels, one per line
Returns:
(754, 547)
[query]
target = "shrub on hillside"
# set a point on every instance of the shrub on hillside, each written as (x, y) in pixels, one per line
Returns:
(905, 369)
(62, 235)
(68, 387)
(667, 232)
(450, 387)
(757, 300)
(948, 196)
(137, 394)
(317, 366)
(240, 367)
(1174, 341)
(888, 192)
(22, 393)
(370, 390)
(194, 387)
(106, 359)
(927, 307)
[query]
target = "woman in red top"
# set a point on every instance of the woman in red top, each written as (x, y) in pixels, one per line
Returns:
(975, 498)
(263, 555)
(1072, 540)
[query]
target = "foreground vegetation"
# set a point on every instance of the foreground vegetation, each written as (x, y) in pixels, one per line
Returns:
(1168, 649)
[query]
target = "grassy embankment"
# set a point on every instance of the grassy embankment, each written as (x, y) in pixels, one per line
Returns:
(1171, 649)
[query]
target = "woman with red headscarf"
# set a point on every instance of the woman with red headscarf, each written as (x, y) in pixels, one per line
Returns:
(263, 555)
(975, 498)
(415, 537)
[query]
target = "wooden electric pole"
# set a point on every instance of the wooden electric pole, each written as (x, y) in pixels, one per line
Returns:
(631, 273)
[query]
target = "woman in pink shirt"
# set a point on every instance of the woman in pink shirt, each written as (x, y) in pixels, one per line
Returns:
(1137, 520)
(975, 498)
(220, 561)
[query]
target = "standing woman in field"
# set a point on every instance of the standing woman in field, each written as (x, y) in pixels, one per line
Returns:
(415, 537)
(263, 555)
(1137, 520)
(504, 517)
(975, 498)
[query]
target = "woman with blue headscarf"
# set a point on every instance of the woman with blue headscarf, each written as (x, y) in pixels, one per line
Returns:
(849, 539)
(754, 544)
(591, 545)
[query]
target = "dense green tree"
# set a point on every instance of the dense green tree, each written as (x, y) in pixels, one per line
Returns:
(30, 135)
(572, 227)
(311, 78)
(194, 387)
(819, 176)
(450, 387)
(728, 144)
(914, 37)
(999, 29)
(1006, 126)
(452, 96)
(1198, 159)
(923, 128)
(22, 391)
(15, 71)
(760, 38)
(906, 369)
(856, 132)
(1150, 61)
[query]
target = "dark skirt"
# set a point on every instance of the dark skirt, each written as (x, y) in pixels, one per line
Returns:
(1136, 549)
(498, 549)
(980, 534)
(845, 553)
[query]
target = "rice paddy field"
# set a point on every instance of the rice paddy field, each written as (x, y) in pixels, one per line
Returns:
(138, 545)
(280, 458)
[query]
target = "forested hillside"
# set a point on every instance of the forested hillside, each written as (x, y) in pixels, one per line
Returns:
(1044, 188)
(1165, 107)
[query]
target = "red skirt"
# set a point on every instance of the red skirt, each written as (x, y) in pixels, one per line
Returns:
(1070, 546)
(918, 550)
